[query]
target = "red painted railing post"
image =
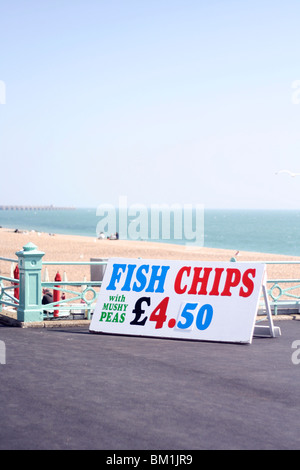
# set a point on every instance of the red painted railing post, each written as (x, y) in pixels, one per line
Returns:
(56, 293)
(16, 276)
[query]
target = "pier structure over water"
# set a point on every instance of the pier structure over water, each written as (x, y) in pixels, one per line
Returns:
(34, 208)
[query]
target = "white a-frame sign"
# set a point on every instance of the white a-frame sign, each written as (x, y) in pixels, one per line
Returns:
(191, 300)
(270, 329)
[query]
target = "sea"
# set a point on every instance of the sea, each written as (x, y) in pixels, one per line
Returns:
(266, 231)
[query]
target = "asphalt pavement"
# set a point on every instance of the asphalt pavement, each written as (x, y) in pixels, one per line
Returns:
(65, 388)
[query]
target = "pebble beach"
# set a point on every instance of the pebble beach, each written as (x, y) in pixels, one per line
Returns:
(59, 247)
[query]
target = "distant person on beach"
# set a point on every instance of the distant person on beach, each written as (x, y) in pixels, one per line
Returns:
(47, 298)
(114, 236)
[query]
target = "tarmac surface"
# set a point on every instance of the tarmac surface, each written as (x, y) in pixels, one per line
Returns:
(65, 388)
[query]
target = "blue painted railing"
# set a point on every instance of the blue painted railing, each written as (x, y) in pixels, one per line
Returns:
(80, 296)
(7, 286)
(282, 293)
(83, 299)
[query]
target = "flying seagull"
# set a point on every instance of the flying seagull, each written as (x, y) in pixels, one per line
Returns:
(289, 172)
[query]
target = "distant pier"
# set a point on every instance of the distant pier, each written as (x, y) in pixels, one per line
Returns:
(34, 208)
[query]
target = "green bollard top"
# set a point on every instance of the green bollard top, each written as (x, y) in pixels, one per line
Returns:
(29, 247)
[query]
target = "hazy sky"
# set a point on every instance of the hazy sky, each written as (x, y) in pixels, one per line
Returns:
(161, 101)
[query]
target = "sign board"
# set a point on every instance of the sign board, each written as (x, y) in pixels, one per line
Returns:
(195, 300)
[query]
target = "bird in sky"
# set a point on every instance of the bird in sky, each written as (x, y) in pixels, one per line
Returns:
(289, 172)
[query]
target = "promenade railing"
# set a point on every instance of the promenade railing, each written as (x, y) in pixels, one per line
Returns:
(83, 293)
(74, 296)
(9, 293)
(284, 293)
(78, 298)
